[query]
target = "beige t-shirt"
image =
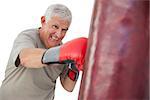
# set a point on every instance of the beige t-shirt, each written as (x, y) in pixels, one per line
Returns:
(23, 83)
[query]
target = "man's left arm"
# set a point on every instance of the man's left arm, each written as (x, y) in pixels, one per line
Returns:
(71, 53)
(67, 83)
(69, 77)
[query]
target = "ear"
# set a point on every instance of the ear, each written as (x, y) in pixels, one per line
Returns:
(43, 20)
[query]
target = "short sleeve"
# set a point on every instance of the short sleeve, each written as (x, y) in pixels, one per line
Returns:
(22, 41)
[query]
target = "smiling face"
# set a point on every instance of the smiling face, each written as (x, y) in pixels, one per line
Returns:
(53, 31)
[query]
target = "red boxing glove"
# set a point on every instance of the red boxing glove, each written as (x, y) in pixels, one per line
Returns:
(70, 52)
(74, 50)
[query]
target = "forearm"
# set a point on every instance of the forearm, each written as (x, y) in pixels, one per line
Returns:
(31, 57)
(67, 83)
(69, 77)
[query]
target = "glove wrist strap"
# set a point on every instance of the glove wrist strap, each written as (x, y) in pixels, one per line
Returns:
(73, 74)
(51, 55)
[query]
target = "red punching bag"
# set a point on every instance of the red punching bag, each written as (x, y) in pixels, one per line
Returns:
(117, 59)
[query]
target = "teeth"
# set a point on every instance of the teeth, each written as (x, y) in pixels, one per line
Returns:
(54, 38)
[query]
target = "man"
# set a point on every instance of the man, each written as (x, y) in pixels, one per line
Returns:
(38, 58)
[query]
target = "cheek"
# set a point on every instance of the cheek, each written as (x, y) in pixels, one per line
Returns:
(43, 37)
(47, 30)
(51, 31)
(63, 36)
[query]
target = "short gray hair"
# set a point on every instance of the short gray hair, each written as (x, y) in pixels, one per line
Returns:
(58, 10)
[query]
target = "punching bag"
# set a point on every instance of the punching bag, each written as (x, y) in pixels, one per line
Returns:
(117, 59)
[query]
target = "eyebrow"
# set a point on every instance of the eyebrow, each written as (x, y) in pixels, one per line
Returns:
(65, 29)
(59, 26)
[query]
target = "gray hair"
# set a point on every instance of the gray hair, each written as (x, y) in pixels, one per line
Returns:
(58, 10)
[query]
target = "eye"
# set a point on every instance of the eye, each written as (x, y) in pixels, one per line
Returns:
(64, 30)
(55, 27)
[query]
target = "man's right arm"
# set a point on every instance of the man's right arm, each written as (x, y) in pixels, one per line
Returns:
(31, 57)
(70, 52)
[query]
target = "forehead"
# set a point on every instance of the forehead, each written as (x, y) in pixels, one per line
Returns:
(59, 21)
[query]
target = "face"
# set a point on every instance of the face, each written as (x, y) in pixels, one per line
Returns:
(53, 31)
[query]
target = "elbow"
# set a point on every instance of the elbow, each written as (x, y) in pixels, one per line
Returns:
(23, 62)
(67, 85)
(20, 61)
(24, 59)
(67, 88)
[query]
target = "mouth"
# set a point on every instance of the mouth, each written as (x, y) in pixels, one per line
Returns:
(53, 38)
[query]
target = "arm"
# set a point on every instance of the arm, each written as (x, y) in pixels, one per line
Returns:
(69, 77)
(72, 52)
(67, 83)
(31, 57)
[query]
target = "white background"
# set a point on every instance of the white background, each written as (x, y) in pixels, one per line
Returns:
(18, 15)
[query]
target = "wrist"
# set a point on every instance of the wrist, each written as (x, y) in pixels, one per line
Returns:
(51, 55)
(73, 73)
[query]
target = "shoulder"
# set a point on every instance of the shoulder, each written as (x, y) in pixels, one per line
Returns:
(29, 32)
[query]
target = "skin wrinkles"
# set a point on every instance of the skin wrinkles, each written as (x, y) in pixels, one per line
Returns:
(53, 31)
